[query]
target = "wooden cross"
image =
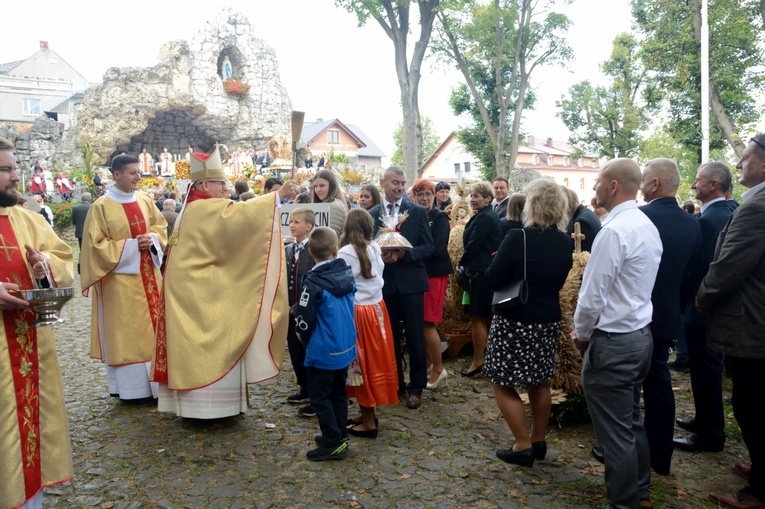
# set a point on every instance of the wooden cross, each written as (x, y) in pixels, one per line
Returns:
(7, 248)
(578, 237)
(138, 223)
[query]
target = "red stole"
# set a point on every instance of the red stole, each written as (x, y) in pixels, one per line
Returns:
(138, 227)
(22, 348)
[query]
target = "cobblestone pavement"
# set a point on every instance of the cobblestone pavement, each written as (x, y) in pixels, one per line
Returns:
(442, 455)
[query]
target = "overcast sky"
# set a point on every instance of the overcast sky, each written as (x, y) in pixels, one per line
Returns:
(330, 67)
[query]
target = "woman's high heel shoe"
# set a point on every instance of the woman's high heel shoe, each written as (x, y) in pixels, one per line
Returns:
(524, 458)
(441, 377)
(540, 449)
(472, 372)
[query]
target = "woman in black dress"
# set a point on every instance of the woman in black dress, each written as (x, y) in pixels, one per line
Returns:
(521, 346)
(480, 241)
(514, 217)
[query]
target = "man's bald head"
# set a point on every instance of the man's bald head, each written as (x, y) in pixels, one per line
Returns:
(618, 181)
(661, 179)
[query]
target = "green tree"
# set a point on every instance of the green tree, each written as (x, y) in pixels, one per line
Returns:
(671, 47)
(393, 17)
(430, 141)
(506, 39)
(608, 120)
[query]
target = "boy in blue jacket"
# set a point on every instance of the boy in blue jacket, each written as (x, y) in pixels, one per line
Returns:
(324, 323)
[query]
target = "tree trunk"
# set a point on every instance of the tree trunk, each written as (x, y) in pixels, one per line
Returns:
(718, 108)
(395, 22)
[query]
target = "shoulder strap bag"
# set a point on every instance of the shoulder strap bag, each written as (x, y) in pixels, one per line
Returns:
(514, 294)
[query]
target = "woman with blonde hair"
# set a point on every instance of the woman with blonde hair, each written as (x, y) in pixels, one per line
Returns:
(325, 189)
(480, 241)
(374, 340)
(522, 340)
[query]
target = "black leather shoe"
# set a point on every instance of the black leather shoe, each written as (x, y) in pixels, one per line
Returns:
(540, 449)
(687, 424)
(473, 372)
(366, 433)
(694, 444)
(597, 453)
(524, 458)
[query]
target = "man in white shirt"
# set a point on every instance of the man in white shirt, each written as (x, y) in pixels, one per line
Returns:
(611, 325)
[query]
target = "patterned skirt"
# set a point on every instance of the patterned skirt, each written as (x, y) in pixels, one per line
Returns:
(520, 354)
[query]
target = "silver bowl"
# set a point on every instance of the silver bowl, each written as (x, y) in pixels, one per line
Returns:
(46, 303)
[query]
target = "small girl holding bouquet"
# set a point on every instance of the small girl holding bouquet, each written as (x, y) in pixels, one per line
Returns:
(377, 384)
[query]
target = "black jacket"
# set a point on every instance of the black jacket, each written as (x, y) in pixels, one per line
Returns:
(79, 212)
(439, 263)
(548, 262)
(481, 238)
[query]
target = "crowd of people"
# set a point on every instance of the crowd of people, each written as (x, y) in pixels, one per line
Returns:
(344, 306)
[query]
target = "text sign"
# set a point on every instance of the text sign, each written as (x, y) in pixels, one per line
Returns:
(320, 214)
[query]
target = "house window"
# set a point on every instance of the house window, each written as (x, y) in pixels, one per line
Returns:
(534, 158)
(581, 184)
(333, 136)
(594, 163)
(467, 167)
(565, 161)
(31, 107)
(456, 168)
(565, 181)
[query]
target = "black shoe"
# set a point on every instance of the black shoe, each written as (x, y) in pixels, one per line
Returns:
(472, 373)
(351, 422)
(597, 453)
(323, 453)
(298, 398)
(138, 401)
(524, 458)
(695, 444)
(540, 449)
(660, 470)
(680, 367)
(366, 433)
(687, 424)
(307, 411)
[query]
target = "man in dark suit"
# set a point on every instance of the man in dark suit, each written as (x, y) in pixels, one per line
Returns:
(733, 296)
(681, 241)
(405, 279)
(588, 221)
(708, 425)
(79, 212)
(501, 196)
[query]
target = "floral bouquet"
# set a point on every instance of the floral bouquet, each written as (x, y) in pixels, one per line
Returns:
(389, 235)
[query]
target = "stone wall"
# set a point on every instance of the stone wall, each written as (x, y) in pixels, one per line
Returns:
(180, 102)
(35, 143)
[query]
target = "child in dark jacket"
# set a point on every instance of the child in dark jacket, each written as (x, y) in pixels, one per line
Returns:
(324, 323)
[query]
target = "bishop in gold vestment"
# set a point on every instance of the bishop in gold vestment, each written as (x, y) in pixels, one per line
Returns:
(223, 317)
(122, 249)
(34, 440)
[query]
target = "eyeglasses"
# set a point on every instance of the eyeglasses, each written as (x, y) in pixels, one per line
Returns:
(760, 144)
(426, 194)
(222, 182)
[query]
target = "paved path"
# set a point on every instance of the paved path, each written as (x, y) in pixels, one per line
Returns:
(442, 455)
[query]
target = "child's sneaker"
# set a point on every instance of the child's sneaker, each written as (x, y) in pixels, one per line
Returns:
(298, 398)
(307, 411)
(322, 453)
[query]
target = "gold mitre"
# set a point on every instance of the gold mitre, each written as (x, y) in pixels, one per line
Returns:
(206, 166)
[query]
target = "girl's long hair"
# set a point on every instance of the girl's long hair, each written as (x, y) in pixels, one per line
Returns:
(357, 231)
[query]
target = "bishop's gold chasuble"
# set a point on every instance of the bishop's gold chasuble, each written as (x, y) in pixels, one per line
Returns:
(225, 294)
(34, 440)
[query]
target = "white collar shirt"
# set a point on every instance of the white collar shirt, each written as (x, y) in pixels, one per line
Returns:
(710, 202)
(396, 208)
(616, 287)
(745, 196)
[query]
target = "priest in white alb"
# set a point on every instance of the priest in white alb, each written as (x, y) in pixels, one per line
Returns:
(224, 309)
(122, 249)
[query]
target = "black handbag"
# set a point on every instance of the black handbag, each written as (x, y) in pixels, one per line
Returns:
(464, 277)
(514, 294)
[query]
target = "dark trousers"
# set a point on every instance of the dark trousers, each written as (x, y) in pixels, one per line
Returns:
(79, 241)
(613, 371)
(748, 396)
(659, 408)
(326, 392)
(297, 356)
(409, 308)
(706, 383)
